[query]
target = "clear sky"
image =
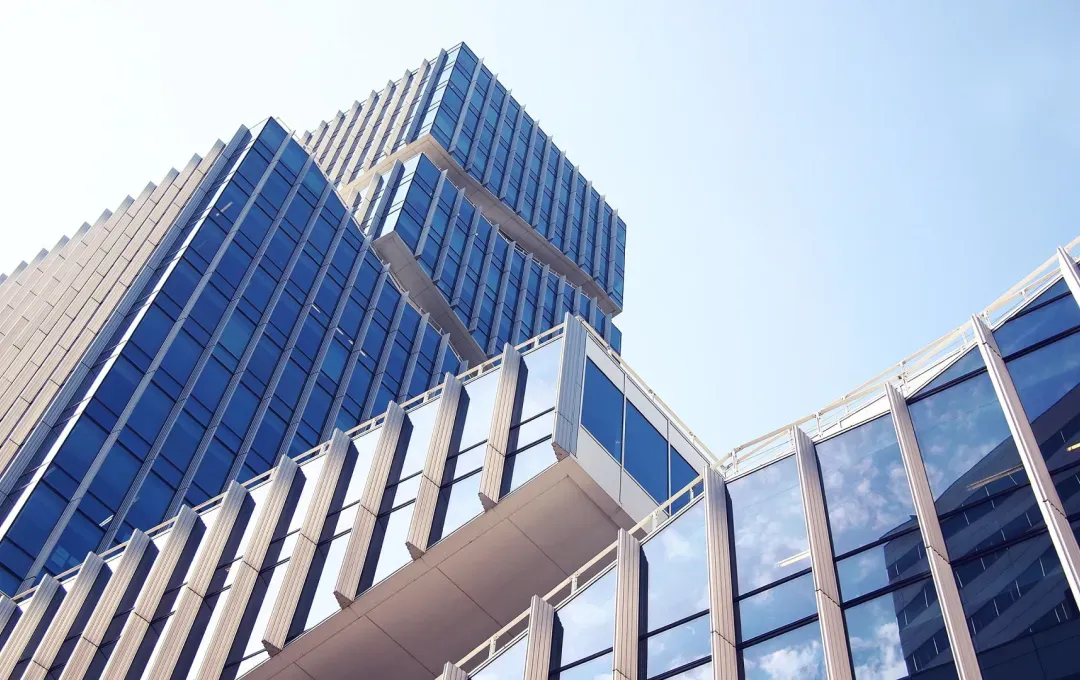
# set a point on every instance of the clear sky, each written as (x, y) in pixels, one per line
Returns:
(812, 193)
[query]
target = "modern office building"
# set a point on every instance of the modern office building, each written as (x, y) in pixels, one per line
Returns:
(351, 405)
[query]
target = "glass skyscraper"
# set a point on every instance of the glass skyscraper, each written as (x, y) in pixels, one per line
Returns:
(350, 404)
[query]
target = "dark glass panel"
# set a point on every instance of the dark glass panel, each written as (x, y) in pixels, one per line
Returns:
(602, 410)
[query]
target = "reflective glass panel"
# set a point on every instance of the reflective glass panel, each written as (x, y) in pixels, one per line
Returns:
(881, 566)
(795, 654)
(596, 669)
(776, 607)
(509, 665)
(767, 521)
(586, 624)
(1047, 381)
(1003, 518)
(602, 410)
(898, 634)
(357, 473)
(422, 422)
(1012, 599)
(965, 444)
(703, 672)
(524, 465)
(676, 647)
(318, 602)
(971, 361)
(675, 572)
(541, 378)
(866, 488)
(388, 543)
(646, 454)
(1037, 325)
(458, 503)
(478, 408)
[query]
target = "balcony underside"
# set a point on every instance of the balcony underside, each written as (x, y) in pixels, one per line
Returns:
(464, 589)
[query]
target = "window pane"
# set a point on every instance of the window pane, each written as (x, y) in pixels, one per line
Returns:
(768, 524)
(676, 647)
(866, 488)
(795, 654)
(675, 570)
(1024, 331)
(318, 602)
(478, 409)
(965, 443)
(597, 669)
(357, 467)
(881, 566)
(509, 665)
(421, 423)
(524, 465)
(602, 410)
(898, 634)
(971, 361)
(388, 553)
(457, 504)
(586, 624)
(1047, 381)
(541, 378)
(776, 607)
(1011, 598)
(646, 454)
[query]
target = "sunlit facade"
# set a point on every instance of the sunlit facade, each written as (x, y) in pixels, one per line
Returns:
(350, 404)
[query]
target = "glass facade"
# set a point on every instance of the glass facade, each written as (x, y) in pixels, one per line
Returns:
(494, 286)
(457, 102)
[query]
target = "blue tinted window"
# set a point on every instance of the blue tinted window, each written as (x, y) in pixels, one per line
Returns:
(965, 444)
(479, 405)
(795, 654)
(768, 525)
(1011, 595)
(971, 361)
(602, 410)
(1037, 325)
(898, 634)
(1047, 382)
(866, 488)
(646, 454)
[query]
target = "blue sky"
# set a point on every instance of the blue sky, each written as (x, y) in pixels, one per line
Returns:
(812, 193)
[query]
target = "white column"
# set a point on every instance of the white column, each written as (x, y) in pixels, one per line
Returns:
(538, 642)
(499, 435)
(952, 609)
(725, 662)
(627, 607)
(427, 496)
(826, 590)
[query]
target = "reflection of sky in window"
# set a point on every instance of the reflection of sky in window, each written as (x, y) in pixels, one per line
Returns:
(677, 647)
(795, 655)
(885, 644)
(1035, 326)
(542, 376)
(597, 669)
(866, 488)
(422, 423)
(1044, 378)
(767, 520)
(676, 571)
(697, 673)
(778, 606)
(509, 665)
(972, 360)
(965, 443)
(882, 565)
(358, 473)
(481, 403)
(588, 620)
